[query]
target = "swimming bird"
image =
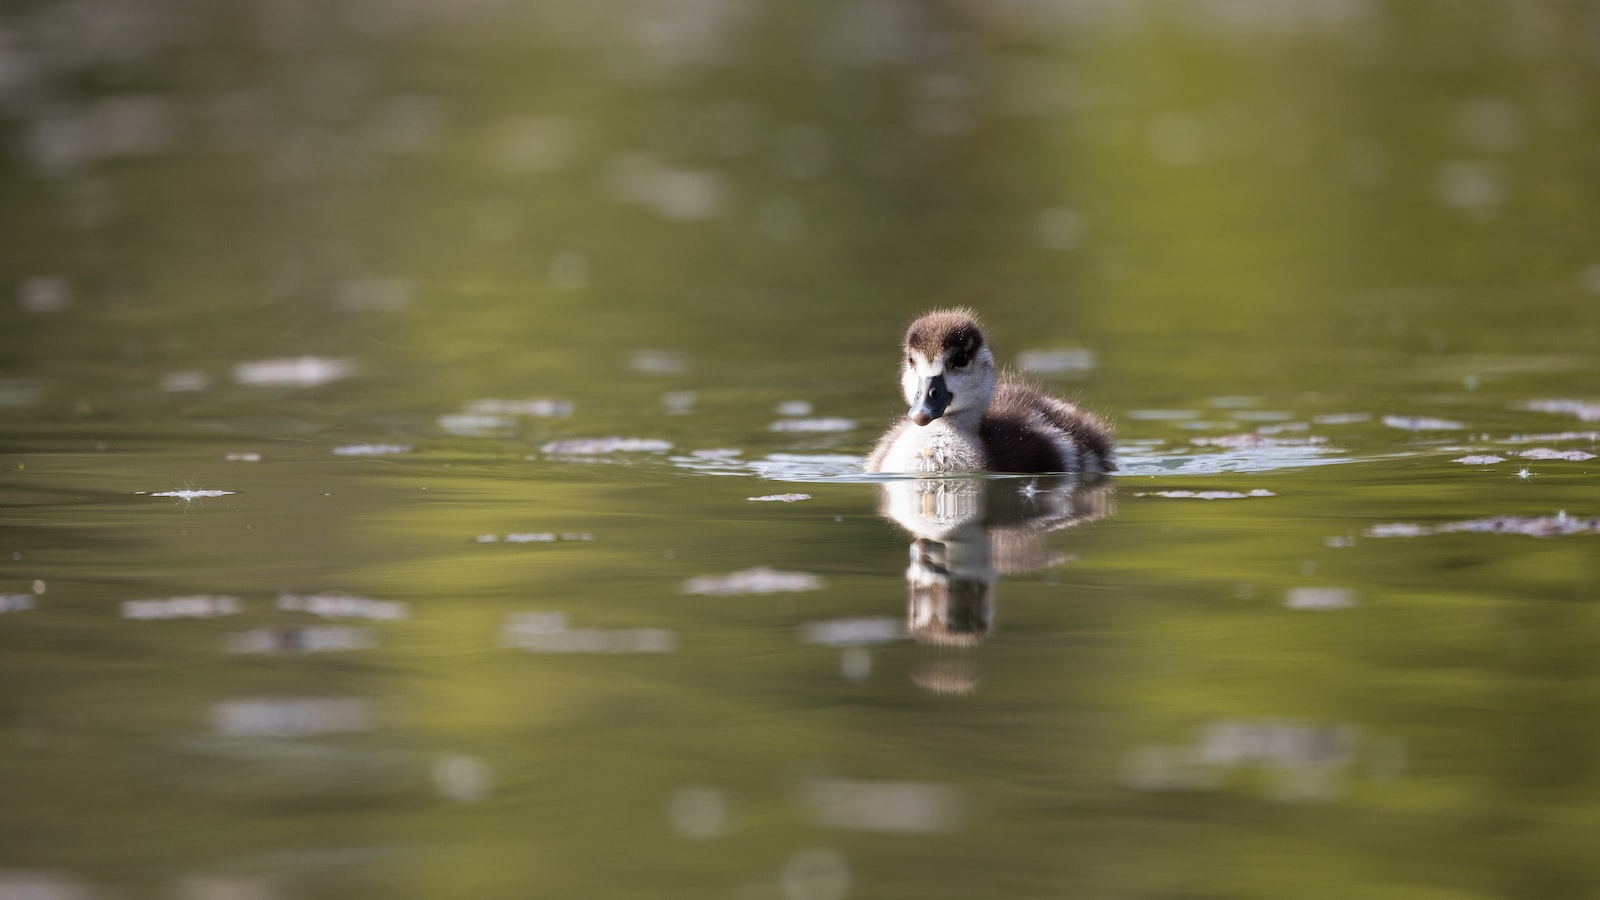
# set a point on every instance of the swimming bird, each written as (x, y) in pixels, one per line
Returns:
(963, 417)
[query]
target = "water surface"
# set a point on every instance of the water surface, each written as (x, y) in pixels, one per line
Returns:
(431, 440)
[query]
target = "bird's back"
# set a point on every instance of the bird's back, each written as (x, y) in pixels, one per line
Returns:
(1025, 430)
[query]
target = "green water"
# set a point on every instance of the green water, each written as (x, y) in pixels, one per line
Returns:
(300, 595)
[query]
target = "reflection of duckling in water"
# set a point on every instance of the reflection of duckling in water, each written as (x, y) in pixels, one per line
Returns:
(963, 418)
(968, 532)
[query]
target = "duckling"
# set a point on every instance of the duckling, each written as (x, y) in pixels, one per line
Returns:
(963, 418)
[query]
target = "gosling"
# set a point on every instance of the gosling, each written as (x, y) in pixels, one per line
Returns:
(964, 419)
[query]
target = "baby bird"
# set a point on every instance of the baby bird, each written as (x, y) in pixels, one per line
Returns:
(963, 418)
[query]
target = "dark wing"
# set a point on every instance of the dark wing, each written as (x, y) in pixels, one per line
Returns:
(1023, 428)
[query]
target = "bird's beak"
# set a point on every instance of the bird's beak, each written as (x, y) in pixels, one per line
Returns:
(932, 399)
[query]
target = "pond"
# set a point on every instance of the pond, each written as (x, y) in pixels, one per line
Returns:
(432, 441)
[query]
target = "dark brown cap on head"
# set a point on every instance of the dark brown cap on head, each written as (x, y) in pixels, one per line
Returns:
(945, 330)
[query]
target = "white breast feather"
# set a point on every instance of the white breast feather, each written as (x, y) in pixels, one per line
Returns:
(935, 447)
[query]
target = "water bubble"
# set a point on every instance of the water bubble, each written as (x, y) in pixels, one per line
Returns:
(759, 580)
(1586, 410)
(853, 632)
(336, 605)
(1207, 495)
(658, 362)
(1471, 186)
(293, 716)
(794, 408)
(600, 446)
(805, 466)
(1320, 598)
(530, 144)
(825, 424)
(686, 194)
(371, 449)
(895, 806)
(1559, 525)
(532, 537)
(1163, 415)
(18, 393)
(476, 424)
(698, 812)
(531, 623)
(1235, 401)
(543, 407)
(462, 778)
(670, 37)
(816, 873)
(303, 371)
(547, 632)
(672, 192)
(1421, 423)
(1548, 453)
(1342, 418)
(679, 403)
(296, 639)
(195, 606)
(187, 495)
(44, 294)
(1591, 279)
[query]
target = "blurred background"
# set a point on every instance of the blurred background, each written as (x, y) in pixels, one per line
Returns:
(431, 438)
